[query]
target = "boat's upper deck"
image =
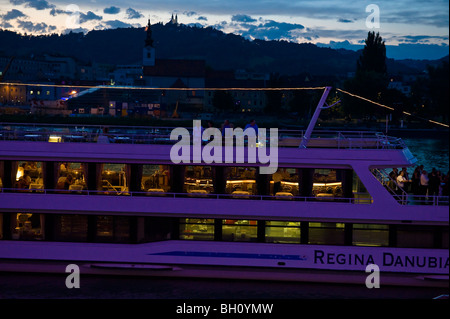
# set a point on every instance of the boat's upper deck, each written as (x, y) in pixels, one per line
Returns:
(161, 135)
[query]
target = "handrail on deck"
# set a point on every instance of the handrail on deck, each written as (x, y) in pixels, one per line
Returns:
(353, 200)
(161, 135)
(403, 199)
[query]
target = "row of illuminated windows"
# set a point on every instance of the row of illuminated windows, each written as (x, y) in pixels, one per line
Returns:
(126, 229)
(197, 180)
(316, 233)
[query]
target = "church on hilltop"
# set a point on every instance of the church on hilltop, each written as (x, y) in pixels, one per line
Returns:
(173, 73)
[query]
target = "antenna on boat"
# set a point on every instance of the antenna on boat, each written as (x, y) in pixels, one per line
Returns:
(322, 105)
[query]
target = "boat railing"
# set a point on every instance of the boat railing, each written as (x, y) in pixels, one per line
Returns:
(353, 200)
(387, 181)
(356, 199)
(161, 135)
(402, 196)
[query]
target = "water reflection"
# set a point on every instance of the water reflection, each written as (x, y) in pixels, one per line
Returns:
(431, 152)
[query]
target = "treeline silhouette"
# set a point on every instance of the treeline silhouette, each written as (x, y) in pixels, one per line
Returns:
(220, 50)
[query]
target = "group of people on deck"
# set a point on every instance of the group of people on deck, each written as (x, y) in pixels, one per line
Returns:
(421, 182)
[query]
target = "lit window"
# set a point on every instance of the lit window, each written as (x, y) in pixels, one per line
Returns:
(285, 182)
(239, 230)
(197, 229)
(155, 178)
(370, 235)
(282, 232)
(241, 181)
(326, 233)
(28, 227)
(198, 180)
(114, 179)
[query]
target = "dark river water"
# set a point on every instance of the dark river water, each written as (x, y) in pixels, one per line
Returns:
(431, 152)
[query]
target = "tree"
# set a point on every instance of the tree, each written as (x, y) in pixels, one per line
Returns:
(373, 57)
(370, 80)
(438, 88)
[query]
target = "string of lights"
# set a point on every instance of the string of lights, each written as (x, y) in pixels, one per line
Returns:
(391, 108)
(114, 87)
(72, 86)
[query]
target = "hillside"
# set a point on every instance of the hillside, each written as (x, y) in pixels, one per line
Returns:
(220, 50)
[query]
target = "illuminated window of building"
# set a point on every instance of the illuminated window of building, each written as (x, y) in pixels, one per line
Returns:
(198, 180)
(326, 233)
(327, 183)
(155, 178)
(31, 92)
(114, 179)
(370, 235)
(71, 176)
(239, 230)
(285, 182)
(71, 227)
(282, 232)
(240, 181)
(29, 175)
(28, 226)
(112, 229)
(197, 228)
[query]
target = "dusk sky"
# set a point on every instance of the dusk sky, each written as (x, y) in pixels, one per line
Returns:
(411, 28)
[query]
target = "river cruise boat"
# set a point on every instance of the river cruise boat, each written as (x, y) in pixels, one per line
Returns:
(123, 207)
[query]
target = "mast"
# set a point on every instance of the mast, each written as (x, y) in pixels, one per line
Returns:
(315, 116)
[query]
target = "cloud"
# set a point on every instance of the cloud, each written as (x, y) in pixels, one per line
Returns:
(202, 18)
(89, 16)
(35, 27)
(114, 24)
(345, 20)
(111, 10)
(242, 18)
(5, 25)
(190, 13)
(36, 4)
(421, 39)
(77, 30)
(13, 14)
(252, 28)
(133, 14)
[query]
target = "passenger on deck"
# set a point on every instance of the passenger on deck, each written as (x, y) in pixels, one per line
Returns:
(434, 183)
(424, 183)
(252, 125)
(401, 180)
(415, 182)
(445, 190)
(226, 124)
(103, 137)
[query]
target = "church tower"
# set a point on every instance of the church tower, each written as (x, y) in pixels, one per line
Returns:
(149, 50)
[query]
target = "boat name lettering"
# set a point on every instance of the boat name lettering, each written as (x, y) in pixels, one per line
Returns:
(387, 259)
